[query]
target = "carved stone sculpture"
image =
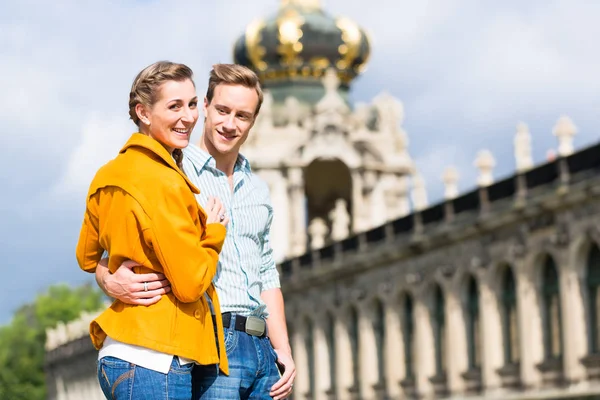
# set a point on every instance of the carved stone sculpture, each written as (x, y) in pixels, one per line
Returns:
(318, 232)
(340, 220)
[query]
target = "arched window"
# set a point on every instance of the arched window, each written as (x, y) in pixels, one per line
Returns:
(439, 330)
(353, 322)
(510, 330)
(379, 330)
(310, 355)
(330, 332)
(551, 310)
(593, 287)
(408, 336)
(472, 322)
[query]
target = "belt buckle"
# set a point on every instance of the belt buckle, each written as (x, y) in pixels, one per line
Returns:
(255, 326)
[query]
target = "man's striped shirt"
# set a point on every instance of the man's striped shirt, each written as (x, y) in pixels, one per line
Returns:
(246, 265)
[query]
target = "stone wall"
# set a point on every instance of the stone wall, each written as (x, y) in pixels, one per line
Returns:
(549, 215)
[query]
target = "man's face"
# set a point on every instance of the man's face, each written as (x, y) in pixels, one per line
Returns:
(229, 117)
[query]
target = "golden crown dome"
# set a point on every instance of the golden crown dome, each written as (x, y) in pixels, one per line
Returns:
(300, 43)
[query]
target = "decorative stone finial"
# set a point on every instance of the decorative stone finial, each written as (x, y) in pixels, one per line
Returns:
(564, 130)
(419, 193)
(450, 178)
(318, 231)
(485, 162)
(522, 142)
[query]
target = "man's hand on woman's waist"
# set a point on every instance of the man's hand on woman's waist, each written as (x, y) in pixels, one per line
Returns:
(129, 287)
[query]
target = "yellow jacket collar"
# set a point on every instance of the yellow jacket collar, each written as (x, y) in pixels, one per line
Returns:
(140, 140)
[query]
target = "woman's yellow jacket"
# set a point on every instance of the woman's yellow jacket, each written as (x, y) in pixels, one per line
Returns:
(141, 207)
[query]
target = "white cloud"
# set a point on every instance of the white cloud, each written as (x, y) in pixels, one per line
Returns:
(102, 138)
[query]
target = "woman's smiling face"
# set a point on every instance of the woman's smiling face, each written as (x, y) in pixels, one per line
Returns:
(171, 119)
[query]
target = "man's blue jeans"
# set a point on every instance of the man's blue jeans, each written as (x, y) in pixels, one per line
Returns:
(252, 370)
(121, 380)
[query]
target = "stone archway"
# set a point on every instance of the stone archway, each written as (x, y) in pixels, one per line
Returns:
(326, 182)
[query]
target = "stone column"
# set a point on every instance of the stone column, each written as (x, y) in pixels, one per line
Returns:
(359, 223)
(301, 384)
(97, 392)
(456, 342)
(343, 359)
(298, 207)
(394, 350)
(368, 352)
(321, 357)
(491, 338)
(280, 227)
(425, 355)
(60, 386)
(574, 326)
(530, 334)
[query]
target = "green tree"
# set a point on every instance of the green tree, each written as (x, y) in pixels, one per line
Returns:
(22, 341)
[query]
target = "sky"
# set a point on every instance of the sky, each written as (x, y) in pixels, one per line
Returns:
(466, 72)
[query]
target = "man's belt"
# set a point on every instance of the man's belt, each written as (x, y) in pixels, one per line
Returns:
(254, 326)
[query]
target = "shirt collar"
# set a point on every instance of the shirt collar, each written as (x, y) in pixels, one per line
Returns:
(201, 159)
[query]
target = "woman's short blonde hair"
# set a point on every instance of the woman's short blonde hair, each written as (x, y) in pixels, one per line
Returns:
(234, 74)
(145, 87)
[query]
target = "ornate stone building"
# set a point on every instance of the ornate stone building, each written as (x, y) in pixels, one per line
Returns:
(490, 294)
(332, 169)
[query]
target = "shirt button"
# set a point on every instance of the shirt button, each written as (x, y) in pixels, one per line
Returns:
(198, 313)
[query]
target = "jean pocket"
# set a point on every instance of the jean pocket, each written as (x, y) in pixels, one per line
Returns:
(231, 339)
(115, 377)
(178, 368)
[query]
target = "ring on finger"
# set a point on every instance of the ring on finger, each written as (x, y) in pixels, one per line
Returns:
(145, 286)
(221, 217)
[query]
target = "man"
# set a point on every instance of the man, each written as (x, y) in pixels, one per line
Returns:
(247, 281)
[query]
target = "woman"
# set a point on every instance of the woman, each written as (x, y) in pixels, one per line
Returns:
(141, 207)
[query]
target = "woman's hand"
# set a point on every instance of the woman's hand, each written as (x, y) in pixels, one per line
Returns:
(215, 212)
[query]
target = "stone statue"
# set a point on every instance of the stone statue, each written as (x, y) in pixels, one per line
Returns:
(523, 157)
(340, 221)
(485, 162)
(419, 193)
(318, 232)
(293, 112)
(264, 120)
(331, 82)
(332, 101)
(450, 178)
(564, 130)
(390, 114)
(360, 117)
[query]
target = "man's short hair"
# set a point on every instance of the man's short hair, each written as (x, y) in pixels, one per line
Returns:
(234, 74)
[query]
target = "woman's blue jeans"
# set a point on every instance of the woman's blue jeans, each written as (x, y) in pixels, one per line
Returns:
(122, 380)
